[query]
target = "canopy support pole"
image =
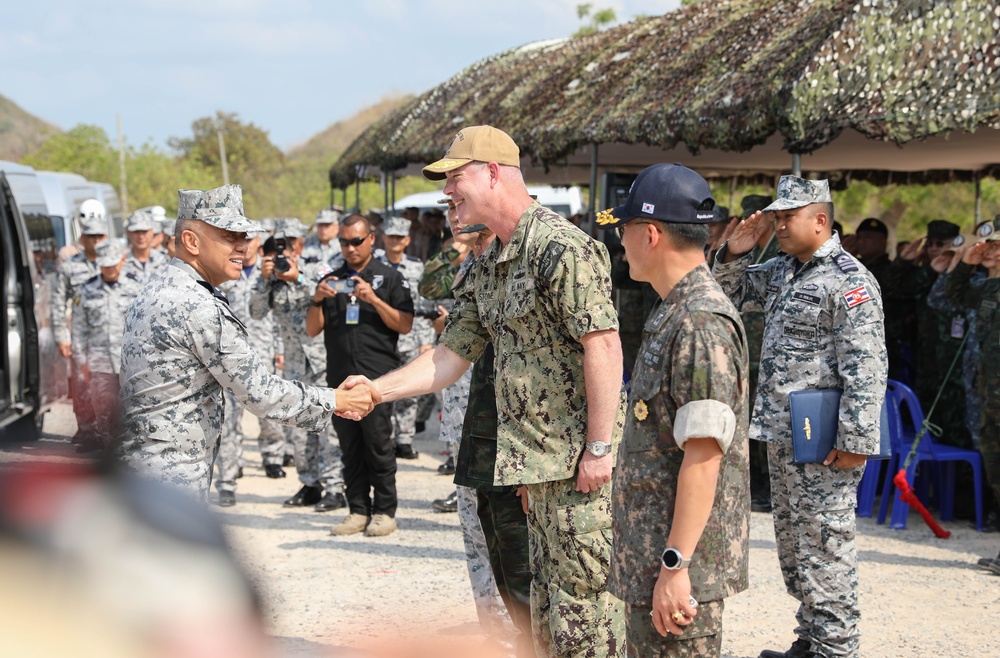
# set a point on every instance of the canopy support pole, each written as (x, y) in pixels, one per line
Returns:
(796, 165)
(357, 194)
(592, 205)
(392, 182)
(979, 197)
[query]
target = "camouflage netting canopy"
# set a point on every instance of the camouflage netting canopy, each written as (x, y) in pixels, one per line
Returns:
(736, 85)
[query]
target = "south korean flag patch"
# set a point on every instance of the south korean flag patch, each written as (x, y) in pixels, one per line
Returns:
(648, 208)
(857, 296)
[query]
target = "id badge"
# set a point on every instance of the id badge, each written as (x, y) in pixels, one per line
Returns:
(958, 326)
(353, 312)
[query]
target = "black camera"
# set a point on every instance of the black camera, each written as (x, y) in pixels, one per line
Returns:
(343, 286)
(281, 264)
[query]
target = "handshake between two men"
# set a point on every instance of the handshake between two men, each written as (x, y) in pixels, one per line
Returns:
(356, 397)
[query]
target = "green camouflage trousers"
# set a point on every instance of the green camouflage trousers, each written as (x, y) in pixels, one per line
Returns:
(572, 613)
(703, 637)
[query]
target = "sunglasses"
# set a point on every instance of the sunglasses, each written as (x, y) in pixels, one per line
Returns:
(353, 242)
(620, 229)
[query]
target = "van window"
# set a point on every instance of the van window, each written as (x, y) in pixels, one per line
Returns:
(42, 237)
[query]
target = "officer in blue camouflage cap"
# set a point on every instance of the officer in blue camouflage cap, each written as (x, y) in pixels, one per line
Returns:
(143, 262)
(183, 347)
(823, 330)
(676, 538)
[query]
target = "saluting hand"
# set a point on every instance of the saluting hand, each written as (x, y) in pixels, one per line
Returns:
(913, 250)
(745, 234)
(976, 254)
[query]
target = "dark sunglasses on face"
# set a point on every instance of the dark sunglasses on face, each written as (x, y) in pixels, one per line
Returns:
(354, 242)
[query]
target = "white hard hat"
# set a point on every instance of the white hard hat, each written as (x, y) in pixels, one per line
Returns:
(92, 209)
(158, 212)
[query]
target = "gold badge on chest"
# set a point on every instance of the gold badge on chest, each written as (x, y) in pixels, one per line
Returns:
(640, 410)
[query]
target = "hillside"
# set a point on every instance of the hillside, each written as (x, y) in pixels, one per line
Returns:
(330, 143)
(20, 132)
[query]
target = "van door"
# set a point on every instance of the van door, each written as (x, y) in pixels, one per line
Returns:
(19, 370)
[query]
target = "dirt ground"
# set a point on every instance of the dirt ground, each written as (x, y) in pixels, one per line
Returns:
(341, 596)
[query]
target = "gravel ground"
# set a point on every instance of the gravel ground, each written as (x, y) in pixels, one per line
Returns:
(330, 596)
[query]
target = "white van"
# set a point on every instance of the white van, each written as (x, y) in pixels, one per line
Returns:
(567, 201)
(32, 373)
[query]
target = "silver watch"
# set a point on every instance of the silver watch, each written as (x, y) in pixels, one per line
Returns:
(598, 448)
(673, 560)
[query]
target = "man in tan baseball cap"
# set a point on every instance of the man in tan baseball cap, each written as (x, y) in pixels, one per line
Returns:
(475, 144)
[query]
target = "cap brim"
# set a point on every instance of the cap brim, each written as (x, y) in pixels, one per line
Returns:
(439, 170)
(473, 228)
(234, 224)
(785, 204)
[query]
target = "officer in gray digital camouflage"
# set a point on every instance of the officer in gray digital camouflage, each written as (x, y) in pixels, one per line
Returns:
(183, 346)
(541, 293)
(143, 262)
(284, 289)
(677, 538)
(73, 273)
(97, 328)
(396, 236)
(823, 330)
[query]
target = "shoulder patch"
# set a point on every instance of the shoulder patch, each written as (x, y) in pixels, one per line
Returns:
(845, 262)
(857, 296)
(550, 259)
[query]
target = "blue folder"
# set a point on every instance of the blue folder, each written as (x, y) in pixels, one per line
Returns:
(815, 418)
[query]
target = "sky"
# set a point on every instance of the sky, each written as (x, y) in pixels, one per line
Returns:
(292, 67)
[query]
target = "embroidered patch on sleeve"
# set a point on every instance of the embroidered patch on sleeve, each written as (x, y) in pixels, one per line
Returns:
(857, 296)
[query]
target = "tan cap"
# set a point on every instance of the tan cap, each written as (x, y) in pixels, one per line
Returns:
(475, 144)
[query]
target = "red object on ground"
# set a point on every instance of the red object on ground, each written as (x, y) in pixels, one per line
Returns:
(907, 496)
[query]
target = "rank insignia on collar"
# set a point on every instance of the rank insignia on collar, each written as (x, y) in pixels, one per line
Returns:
(640, 410)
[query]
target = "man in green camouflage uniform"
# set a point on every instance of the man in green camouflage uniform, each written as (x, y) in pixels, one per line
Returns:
(677, 538)
(541, 293)
(824, 330)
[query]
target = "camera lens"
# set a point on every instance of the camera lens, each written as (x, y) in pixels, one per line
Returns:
(281, 264)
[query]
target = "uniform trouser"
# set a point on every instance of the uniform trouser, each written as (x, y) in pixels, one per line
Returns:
(572, 612)
(82, 406)
(271, 442)
(703, 637)
(369, 463)
(425, 406)
(989, 437)
(814, 528)
(103, 393)
(318, 461)
(404, 411)
(490, 608)
(505, 529)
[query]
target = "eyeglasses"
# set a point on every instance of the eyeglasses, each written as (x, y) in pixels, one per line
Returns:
(620, 229)
(353, 242)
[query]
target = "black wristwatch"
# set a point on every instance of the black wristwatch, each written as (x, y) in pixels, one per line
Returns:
(673, 560)
(319, 303)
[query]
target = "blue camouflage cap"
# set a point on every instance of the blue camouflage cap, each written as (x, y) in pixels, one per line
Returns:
(221, 207)
(140, 220)
(327, 216)
(289, 227)
(396, 226)
(795, 192)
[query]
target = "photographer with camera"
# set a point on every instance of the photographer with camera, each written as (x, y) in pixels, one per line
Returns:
(362, 308)
(285, 290)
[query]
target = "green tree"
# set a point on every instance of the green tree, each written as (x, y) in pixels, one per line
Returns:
(84, 149)
(598, 20)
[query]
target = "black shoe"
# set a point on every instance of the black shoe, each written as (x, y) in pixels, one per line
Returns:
(306, 496)
(760, 504)
(227, 498)
(987, 562)
(274, 471)
(406, 452)
(801, 648)
(287, 461)
(421, 426)
(449, 504)
(330, 502)
(239, 472)
(79, 437)
(447, 468)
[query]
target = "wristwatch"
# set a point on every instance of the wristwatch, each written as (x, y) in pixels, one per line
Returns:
(673, 560)
(598, 448)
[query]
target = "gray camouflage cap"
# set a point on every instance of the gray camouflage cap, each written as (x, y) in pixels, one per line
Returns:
(795, 192)
(109, 253)
(93, 226)
(168, 226)
(289, 227)
(140, 220)
(327, 217)
(396, 226)
(221, 208)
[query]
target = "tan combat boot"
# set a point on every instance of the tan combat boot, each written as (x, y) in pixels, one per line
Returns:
(381, 525)
(352, 525)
